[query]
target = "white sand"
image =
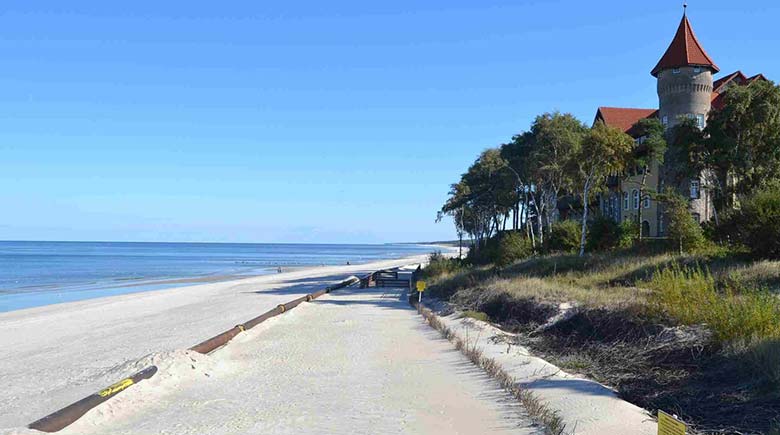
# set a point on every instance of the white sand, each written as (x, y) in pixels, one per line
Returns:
(352, 361)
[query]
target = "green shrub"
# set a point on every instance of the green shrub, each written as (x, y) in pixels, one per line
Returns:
(512, 246)
(502, 249)
(683, 228)
(564, 237)
(628, 233)
(603, 234)
(438, 265)
(757, 223)
(689, 295)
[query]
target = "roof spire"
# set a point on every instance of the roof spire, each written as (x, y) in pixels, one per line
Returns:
(685, 50)
(685, 8)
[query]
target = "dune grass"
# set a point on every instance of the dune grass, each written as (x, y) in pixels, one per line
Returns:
(690, 296)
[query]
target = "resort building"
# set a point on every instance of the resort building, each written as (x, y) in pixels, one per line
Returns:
(686, 89)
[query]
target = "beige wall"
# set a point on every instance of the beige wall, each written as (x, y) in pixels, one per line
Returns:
(627, 186)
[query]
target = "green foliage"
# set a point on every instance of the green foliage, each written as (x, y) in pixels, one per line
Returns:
(512, 246)
(564, 237)
(757, 223)
(683, 228)
(744, 136)
(502, 249)
(439, 265)
(605, 151)
(653, 148)
(689, 295)
(628, 231)
(603, 234)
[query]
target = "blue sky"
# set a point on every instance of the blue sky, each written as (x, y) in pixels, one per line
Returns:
(307, 121)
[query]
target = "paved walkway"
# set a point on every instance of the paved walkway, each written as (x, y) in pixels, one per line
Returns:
(356, 361)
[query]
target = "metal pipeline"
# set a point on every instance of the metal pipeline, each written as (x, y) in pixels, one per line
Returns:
(66, 416)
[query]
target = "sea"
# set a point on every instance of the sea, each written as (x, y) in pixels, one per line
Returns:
(41, 273)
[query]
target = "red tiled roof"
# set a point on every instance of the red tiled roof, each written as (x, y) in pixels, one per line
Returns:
(720, 85)
(622, 118)
(721, 82)
(685, 50)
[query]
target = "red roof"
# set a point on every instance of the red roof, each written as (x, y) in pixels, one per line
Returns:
(622, 118)
(736, 78)
(684, 50)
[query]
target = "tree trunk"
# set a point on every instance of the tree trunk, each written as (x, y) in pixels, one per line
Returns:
(584, 217)
(641, 202)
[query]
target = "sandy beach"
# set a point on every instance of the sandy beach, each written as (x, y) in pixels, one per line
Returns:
(355, 361)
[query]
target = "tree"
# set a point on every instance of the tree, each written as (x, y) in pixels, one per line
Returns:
(556, 141)
(756, 224)
(650, 151)
(743, 145)
(482, 199)
(604, 151)
(682, 227)
(517, 154)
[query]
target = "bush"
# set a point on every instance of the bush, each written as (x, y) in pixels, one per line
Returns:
(628, 232)
(512, 246)
(439, 265)
(683, 229)
(603, 234)
(757, 223)
(689, 295)
(502, 249)
(564, 237)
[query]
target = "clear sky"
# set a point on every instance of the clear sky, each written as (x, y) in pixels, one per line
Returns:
(307, 121)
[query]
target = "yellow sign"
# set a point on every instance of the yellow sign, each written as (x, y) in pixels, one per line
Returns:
(119, 386)
(420, 286)
(668, 425)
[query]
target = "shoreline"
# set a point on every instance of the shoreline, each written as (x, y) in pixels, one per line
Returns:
(59, 353)
(44, 295)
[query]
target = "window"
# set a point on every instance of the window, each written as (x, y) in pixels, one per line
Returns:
(676, 71)
(625, 200)
(695, 189)
(697, 217)
(661, 226)
(700, 121)
(665, 120)
(635, 194)
(645, 229)
(697, 69)
(647, 201)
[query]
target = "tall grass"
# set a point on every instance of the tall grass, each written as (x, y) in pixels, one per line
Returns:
(690, 295)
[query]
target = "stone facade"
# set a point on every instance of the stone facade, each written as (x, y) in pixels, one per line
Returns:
(685, 89)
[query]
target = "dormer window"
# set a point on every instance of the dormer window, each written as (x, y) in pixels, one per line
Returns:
(675, 70)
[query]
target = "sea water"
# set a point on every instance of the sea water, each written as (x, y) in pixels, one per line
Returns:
(42, 273)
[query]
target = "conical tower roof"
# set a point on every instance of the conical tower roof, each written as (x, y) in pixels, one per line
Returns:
(685, 50)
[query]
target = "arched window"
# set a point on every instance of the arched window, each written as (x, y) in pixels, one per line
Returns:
(625, 200)
(635, 195)
(645, 229)
(647, 201)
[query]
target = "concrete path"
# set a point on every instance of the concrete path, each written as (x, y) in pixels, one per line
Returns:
(356, 361)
